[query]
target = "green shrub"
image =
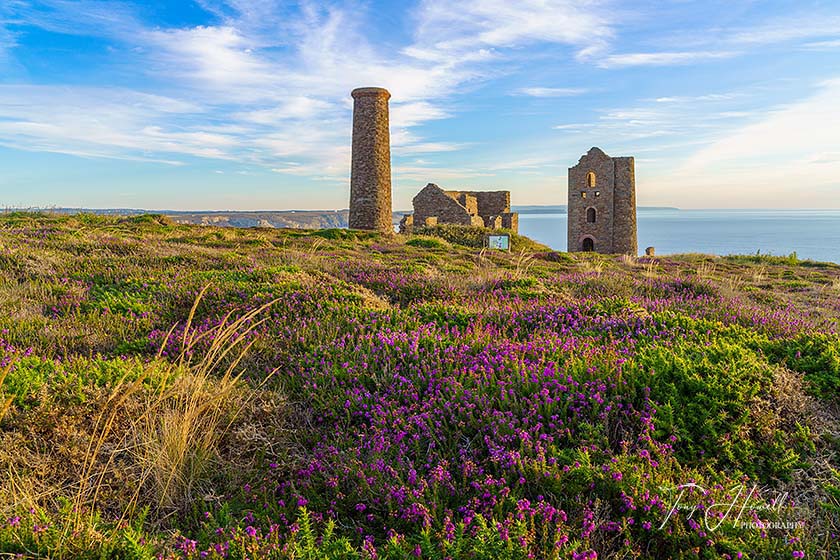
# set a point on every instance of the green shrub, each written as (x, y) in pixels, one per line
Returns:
(816, 355)
(707, 392)
(426, 243)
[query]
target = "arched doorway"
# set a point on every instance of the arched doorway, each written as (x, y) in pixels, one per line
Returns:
(588, 244)
(590, 215)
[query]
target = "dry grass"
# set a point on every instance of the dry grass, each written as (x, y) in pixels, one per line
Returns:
(706, 269)
(177, 440)
(590, 267)
(5, 402)
(524, 261)
(150, 441)
(628, 260)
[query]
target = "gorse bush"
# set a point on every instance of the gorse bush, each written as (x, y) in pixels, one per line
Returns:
(426, 243)
(817, 355)
(178, 392)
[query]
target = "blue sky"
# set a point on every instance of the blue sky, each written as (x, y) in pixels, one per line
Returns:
(244, 104)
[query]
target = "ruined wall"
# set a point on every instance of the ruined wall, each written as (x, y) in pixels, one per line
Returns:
(407, 223)
(510, 220)
(467, 200)
(469, 208)
(370, 174)
(432, 201)
(492, 203)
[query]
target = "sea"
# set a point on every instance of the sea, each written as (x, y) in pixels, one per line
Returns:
(811, 234)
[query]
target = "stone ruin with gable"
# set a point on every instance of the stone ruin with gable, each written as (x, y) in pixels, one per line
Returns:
(433, 205)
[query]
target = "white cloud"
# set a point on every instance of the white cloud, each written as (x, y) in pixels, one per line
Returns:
(661, 58)
(454, 27)
(212, 56)
(790, 150)
(98, 122)
(790, 28)
(550, 91)
(405, 115)
(697, 98)
(822, 45)
(270, 80)
(570, 126)
(783, 135)
(299, 107)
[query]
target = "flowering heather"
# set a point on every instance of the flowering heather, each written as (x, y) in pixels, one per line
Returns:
(352, 396)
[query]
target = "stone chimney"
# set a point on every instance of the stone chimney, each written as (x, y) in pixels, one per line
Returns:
(370, 174)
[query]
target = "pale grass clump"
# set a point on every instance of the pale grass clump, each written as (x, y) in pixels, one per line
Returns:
(595, 268)
(5, 402)
(759, 275)
(628, 260)
(524, 261)
(177, 440)
(173, 437)
(651, 269)
(706, 269)
(735, 283)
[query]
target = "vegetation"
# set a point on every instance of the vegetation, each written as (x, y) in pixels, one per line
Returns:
(171, 391)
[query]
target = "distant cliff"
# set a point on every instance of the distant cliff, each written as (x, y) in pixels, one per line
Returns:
(301, 219)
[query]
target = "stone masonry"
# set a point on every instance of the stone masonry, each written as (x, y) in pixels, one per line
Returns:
(433, 205)
(370, 175)
(602, 204)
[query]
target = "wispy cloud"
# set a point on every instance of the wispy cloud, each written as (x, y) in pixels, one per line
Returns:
(570, 126)
(822, 45)
(782, 156)
(550, 91)
(790, 28)
(448, 29)
(697, 98)
(661, 58)
(267, 83)
(784, 134)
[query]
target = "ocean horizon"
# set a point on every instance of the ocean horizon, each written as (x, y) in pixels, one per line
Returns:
(811, 234)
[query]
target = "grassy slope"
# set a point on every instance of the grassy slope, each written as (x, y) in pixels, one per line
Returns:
(405, 396)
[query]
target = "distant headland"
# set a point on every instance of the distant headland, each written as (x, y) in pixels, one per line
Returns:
(299, 219)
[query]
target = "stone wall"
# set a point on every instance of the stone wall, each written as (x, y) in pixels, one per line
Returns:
(433, 201)
(510, 220)
(492, 203)
(602, 188)
(469, 208)
(624, 226)
(370, 174)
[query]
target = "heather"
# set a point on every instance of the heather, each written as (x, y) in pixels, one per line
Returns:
(196, 392)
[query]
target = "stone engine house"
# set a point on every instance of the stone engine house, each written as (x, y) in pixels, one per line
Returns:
(602, 204)
(433, 206)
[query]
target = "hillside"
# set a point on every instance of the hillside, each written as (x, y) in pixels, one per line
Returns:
(199, 392)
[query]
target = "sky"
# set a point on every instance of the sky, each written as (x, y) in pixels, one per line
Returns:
(245, 104)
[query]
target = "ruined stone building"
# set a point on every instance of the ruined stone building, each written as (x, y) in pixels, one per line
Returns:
(370, 174)
(433, 206)
(602, 204)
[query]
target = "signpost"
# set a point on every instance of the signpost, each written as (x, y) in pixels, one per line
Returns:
(500, 242)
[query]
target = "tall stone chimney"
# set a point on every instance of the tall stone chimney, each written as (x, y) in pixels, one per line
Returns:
(370, 174)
